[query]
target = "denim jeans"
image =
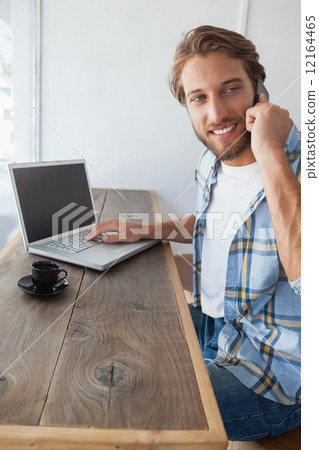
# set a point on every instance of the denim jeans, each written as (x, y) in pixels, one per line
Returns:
(247, 416)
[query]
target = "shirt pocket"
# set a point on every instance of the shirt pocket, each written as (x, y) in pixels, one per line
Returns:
(262, 267)
(257, 273)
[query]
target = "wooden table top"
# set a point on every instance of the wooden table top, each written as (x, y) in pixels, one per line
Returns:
(113, 362)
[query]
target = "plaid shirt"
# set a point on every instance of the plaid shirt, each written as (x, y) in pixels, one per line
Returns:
(260, 342)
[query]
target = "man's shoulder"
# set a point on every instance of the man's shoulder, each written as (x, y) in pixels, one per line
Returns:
(206, 160)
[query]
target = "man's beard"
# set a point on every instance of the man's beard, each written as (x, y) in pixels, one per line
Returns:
(226, 151)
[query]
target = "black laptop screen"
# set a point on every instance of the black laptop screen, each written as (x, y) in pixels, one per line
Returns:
(53, 199)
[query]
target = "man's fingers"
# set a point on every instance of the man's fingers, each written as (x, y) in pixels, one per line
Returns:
(257, 111)
(250, 119)
(101, 227)
(115, 231)
(91, 235)
(110, 238)
(262, 98)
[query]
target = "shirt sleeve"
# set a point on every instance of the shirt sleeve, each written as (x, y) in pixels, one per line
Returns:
(296, 286)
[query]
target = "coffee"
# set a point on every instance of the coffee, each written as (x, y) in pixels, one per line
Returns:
(45, 274)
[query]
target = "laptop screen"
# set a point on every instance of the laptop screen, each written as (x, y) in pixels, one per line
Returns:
(53, 198)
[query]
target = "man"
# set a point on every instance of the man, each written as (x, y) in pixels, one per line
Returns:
(246, 233)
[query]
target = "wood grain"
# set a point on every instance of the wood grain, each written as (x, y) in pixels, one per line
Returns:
(130, 203)
(40, 438)
(113, 352)
(32, 330)
(125, 354)
(10, 245)
(31, 335)
(184, 264)
(99, 197)
(209, 403)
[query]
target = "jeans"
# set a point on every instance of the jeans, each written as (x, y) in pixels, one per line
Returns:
(247, 416)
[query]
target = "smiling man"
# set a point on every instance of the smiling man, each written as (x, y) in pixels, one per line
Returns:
(221, 124)
(246, 233)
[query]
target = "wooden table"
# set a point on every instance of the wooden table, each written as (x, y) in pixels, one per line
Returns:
(112, 363)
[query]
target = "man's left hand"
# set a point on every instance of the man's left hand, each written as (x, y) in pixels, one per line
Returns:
(269, 126)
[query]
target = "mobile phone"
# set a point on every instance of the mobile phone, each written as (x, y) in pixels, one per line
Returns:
(261, 90)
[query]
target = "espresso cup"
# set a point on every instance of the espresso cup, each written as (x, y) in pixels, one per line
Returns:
(45, 274)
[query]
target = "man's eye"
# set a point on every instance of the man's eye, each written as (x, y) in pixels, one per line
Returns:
(230, 90)
(199, 98)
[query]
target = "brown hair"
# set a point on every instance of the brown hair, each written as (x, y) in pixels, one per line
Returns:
(207, 39)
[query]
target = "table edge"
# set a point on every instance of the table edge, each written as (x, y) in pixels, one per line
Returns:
(10, 244)
(214, 420)
(23, 436)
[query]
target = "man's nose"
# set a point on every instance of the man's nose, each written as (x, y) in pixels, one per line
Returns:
(217, 110)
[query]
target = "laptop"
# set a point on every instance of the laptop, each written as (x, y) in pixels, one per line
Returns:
(55, 208)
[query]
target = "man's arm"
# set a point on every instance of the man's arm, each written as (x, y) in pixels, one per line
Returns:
(270, 126)
(179, 230)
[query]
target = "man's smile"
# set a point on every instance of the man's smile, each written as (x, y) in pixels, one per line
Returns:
(224, 131)
(226, 140)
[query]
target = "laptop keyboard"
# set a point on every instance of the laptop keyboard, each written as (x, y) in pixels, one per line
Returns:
(74, 243)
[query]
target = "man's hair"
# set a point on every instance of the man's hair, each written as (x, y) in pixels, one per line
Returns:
(207, 39)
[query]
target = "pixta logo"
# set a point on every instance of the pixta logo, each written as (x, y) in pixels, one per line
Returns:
(69, 219)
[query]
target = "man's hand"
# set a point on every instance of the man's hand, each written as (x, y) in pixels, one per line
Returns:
(269, 126)
(178, 230)
(120, 231)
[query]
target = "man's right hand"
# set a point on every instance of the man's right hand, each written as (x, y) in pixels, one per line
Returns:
(178, 230)
(119, 231)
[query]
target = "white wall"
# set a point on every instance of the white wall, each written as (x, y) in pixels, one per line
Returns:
(104, 85)
(274, 27)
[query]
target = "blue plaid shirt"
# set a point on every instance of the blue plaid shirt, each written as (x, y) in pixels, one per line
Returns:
(260, 342)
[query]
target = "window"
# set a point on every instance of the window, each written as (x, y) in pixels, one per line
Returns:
(6, 94)
(19, 25)
(8, 217)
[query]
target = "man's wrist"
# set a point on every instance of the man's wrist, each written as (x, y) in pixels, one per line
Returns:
(271, 158)
(159, 230)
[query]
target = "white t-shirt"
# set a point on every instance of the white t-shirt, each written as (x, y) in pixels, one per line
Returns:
(230, 197)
